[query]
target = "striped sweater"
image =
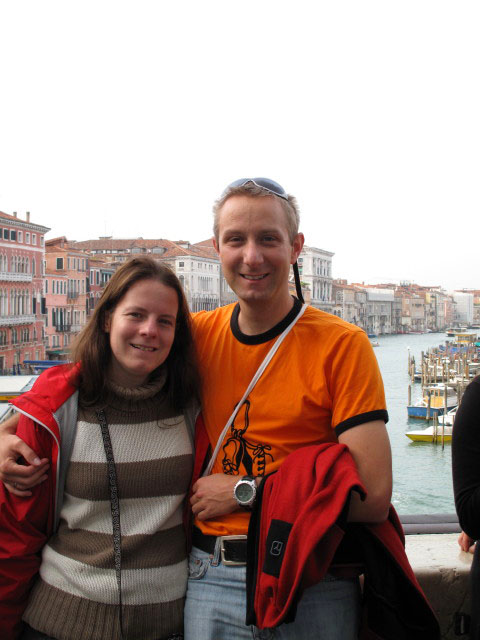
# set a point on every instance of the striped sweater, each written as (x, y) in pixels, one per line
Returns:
(76, 595)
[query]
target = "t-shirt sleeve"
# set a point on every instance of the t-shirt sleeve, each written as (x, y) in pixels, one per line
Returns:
(355, 383)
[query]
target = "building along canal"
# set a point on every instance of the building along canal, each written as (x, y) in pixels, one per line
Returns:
(422, 477)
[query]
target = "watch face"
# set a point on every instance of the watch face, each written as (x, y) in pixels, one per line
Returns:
(244, 492)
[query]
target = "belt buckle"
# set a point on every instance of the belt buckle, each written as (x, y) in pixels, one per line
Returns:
(230, 563)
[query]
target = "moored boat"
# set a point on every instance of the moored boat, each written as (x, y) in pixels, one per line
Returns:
(11, 387)
(433, 402)
(431, 435)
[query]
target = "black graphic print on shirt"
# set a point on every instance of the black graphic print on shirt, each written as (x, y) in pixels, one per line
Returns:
(239, 450)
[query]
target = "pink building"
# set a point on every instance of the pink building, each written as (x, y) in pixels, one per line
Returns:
(22, 305)
(66, 285)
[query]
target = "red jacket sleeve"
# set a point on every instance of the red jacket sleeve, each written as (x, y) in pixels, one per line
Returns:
(25, 526)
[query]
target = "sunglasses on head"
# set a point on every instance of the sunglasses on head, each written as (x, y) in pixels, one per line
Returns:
(264, 183)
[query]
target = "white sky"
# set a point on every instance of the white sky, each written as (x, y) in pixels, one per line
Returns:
(129, 118)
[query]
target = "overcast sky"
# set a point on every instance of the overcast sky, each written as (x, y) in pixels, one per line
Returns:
(129, 118)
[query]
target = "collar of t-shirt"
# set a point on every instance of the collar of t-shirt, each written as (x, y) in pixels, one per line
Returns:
(259, 338)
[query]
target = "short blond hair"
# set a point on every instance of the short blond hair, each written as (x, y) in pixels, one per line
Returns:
(289, 205)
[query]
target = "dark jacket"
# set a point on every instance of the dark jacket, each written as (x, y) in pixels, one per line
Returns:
(466, 484)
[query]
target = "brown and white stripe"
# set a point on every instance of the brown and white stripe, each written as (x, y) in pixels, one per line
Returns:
(76, 594)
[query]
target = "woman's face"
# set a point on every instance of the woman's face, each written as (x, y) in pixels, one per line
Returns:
(142, 329)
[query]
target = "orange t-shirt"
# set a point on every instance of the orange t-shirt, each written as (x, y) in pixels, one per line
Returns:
(323, 380)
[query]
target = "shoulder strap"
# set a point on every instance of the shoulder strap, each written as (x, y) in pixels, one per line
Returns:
(115, 509)
(253, 382)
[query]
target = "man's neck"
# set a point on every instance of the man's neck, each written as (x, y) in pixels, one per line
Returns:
(256, 319)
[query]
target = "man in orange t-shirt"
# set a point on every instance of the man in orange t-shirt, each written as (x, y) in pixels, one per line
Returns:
(322, 385)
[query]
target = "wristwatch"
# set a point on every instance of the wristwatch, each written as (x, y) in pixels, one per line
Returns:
(245, 492)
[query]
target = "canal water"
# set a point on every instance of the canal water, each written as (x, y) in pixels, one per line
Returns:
(422, 476)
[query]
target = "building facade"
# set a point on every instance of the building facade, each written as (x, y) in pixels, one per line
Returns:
(315, 269)
(196, 265)
(66, 292)
(464, 307)
(22, 306)
(99, 273)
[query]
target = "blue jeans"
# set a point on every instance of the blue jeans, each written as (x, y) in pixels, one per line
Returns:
(215, 607)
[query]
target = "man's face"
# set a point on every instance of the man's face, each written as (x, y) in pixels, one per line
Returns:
(255, 249)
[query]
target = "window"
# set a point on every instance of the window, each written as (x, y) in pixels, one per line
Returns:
(34, 238)
(5, 234)
(181, 265)
(27, 237)
(20, 236)
(46, 286)
(42, 241)
(59, 263)
(33, 266)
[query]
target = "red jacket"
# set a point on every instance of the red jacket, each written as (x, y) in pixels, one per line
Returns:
(295, 533)
(27, 523)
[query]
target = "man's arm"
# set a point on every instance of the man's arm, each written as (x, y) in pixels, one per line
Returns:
(370, 448)
(19, 478)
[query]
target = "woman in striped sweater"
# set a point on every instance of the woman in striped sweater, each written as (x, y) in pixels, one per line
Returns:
(98, 551)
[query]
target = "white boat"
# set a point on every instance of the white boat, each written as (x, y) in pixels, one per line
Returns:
(11, 387)
(428, 434)
(448, 419)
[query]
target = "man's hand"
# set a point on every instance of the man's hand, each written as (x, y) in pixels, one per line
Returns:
(213, 496)
(466, 543)
(19, 478)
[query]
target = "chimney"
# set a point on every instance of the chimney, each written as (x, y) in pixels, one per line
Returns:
(28, 216)
(14, 214)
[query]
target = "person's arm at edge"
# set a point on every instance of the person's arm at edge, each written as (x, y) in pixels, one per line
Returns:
(25, 476)
(370, 448)
(466, 543)
(465, 461)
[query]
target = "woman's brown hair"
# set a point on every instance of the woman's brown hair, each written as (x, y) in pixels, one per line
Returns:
(92, 347)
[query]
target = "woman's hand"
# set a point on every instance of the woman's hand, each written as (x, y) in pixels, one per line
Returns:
(466, 543)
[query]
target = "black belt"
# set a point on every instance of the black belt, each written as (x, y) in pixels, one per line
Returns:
(233, 549)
